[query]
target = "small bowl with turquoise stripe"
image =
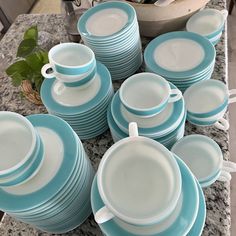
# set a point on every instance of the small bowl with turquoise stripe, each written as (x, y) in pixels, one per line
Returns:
(69, 59)
(21, 149)
(147, 94)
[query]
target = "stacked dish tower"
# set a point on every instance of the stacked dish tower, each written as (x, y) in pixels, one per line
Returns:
(156, 105)
(78, 89)
(111, 30)
(171, 56)
(46, 178)
(171, 204)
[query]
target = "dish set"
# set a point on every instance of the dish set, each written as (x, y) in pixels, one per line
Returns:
(78, 90)
(56, 197)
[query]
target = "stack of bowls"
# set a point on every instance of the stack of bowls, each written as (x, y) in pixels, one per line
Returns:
(208, 23)
(171, 56)
(172, 203)
(204, 158)
(21, 148)
(111, 30)
(154, 104)
(216, 98)
(56, 199)
(83, 100)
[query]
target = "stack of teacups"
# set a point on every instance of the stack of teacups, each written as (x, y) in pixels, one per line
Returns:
(171, 56)
(208, 23)
(207, 102)
(141, 188)
(56, 198)
(153, 103)
(21, 148)
(111, 30)
(78, 90)
(204, 158)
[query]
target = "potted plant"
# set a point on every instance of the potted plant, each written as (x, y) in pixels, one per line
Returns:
(26, 71)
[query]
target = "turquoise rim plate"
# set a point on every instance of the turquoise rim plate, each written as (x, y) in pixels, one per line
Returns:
(120, 5)
(10, 202)
(208, 48)
(52, 105)
(182, 224)
(160, 129)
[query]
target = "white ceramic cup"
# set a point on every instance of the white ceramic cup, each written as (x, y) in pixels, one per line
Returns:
(138, 180)
(147, 94)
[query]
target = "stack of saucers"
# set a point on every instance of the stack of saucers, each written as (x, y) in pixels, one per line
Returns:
(154, 104)
(183, 58)
(56, 199)
(111, 30)
(172, 203)
(208, 23)
(81, 101)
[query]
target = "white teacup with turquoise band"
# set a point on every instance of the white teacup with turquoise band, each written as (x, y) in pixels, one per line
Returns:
(208, 22)
(147, 94)
(133, 170)
(208, 98)
(18, 142)
(204, 158)
(69, 59)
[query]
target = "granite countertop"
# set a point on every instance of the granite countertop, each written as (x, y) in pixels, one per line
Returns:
(217, 196)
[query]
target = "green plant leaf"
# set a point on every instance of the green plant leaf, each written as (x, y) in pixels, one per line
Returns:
(38, 80)
(36, 60)
(31, 33)
(26, 47)
(17, 79)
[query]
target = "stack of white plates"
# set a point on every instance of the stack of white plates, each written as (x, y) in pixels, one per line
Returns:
(57, 198)
(166, 127)
(83, 107)
(111, 30)
(183, 58)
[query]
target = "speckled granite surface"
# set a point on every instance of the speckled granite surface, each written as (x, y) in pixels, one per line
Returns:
(217, 196)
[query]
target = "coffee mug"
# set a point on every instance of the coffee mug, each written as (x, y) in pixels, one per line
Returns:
(71, 60)
(147, 94)
(138, 180)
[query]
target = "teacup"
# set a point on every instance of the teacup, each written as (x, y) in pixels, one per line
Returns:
(138, 180)
(205, 159)
(147, 94)
(20, 147)
(208, 22)
(207, 101)
(69, 62)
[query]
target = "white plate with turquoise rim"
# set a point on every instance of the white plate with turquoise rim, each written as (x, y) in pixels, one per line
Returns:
(183, 222)
(162, 129)
(119, 134)
(206, 54)
(210, 181)
(90, 113)
(14, 203)
(199, 223)
(51, 104)
(125, 8)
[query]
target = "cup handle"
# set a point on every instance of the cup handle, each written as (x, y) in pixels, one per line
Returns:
(133, 129)
(44, 71)
(222, 124)
(175, 95)
(224, 14)
(103, 215)
(229, 166)
(163, 3)
(224, 176)
(232, 93)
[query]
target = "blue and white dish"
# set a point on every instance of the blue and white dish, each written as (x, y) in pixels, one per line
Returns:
(170, 55)
(186, 213)
(60, 191)
(83, 107)
(117, 45)
(208, 23)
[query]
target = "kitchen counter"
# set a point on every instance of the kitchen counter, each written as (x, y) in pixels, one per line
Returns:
(217, 196)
